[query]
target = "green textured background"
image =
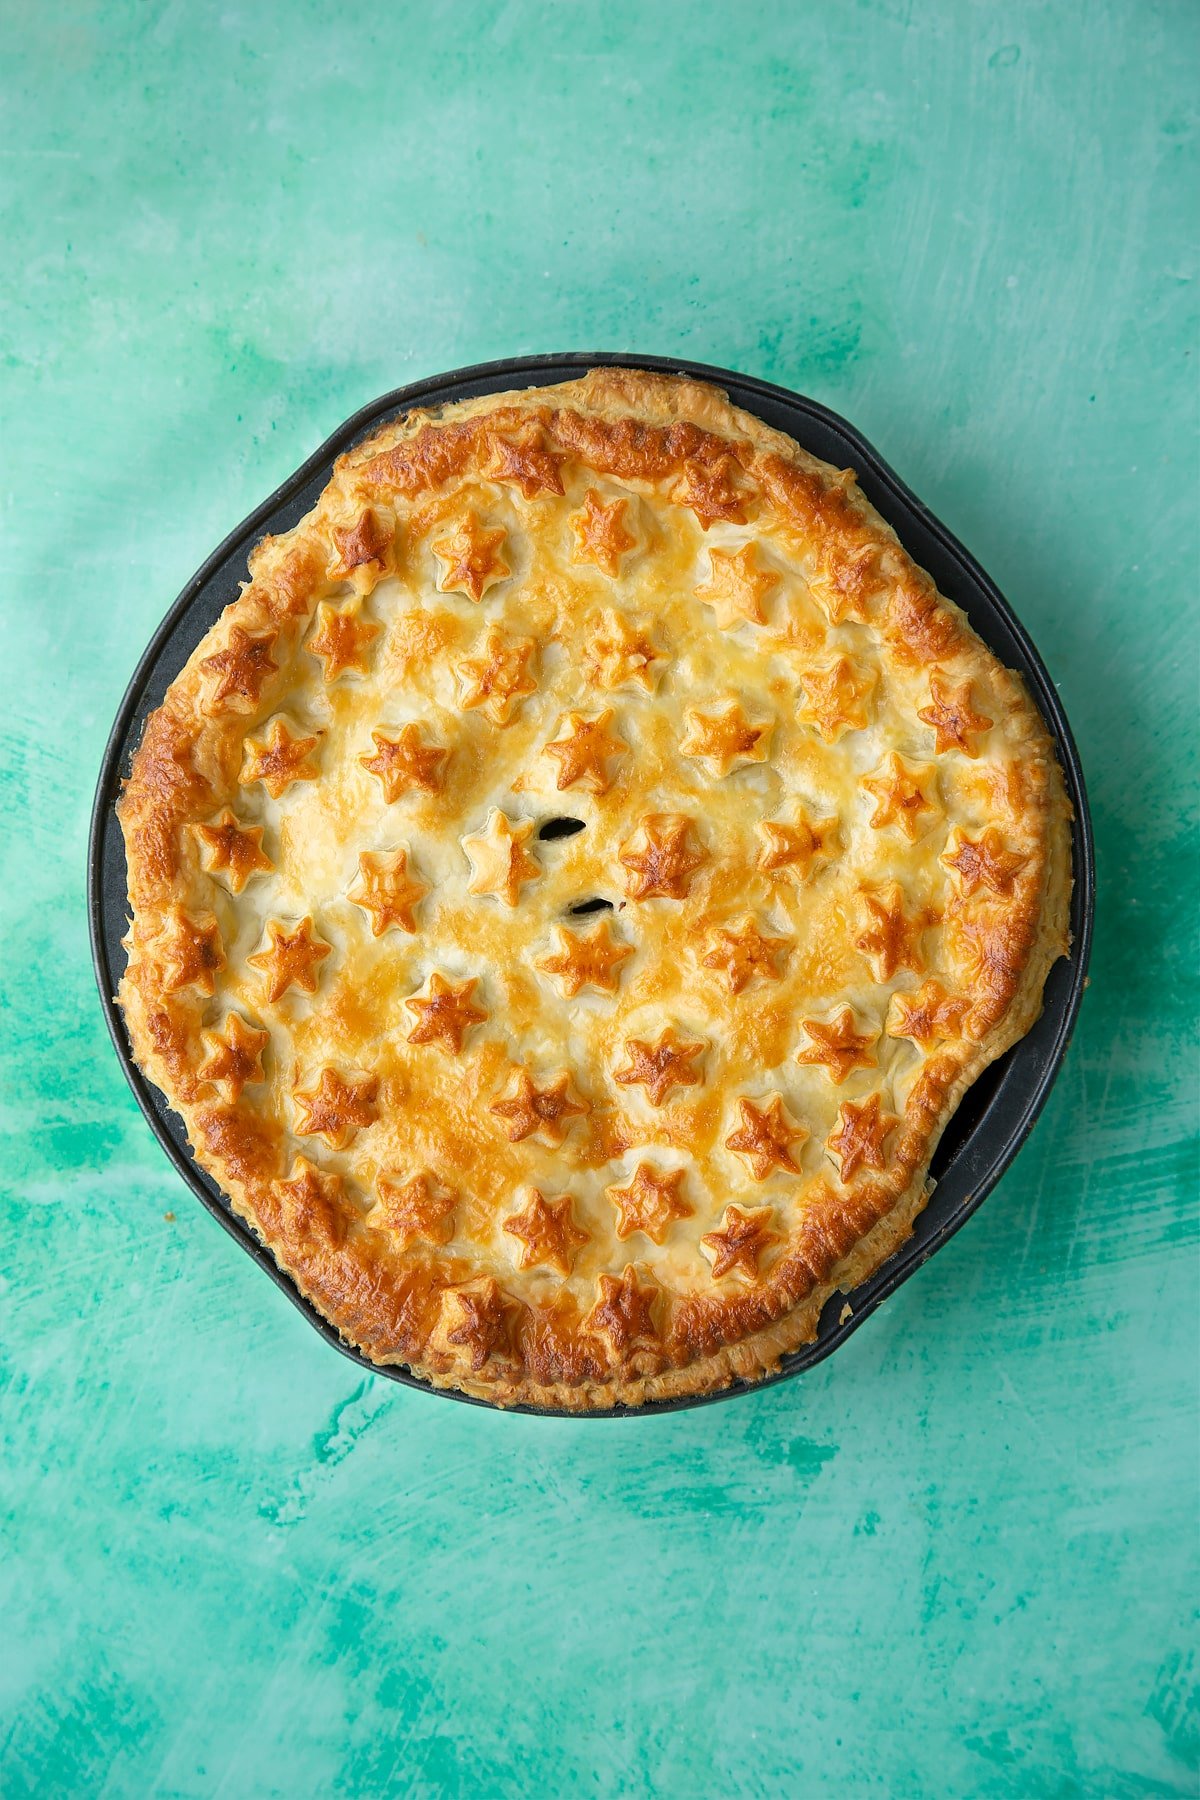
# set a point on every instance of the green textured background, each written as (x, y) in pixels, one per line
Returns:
(959, 1558)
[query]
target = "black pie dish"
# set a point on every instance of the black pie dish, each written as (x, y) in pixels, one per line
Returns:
(995, 1116)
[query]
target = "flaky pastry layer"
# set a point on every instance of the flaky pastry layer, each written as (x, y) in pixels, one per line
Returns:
(574, 884)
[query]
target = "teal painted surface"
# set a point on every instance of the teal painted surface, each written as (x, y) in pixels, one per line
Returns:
(960, 1557)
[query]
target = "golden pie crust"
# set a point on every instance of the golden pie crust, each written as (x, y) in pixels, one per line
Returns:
(591, 1114)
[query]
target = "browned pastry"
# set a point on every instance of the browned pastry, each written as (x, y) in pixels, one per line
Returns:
(575, 883)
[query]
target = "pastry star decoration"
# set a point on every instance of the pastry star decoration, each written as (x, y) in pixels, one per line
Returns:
(280, 760)
(240, 670)
(891, 938)
(445, 1015)
(927, 1016)
(405, 762)
(386, 889)
(500, 864)
(650, 1203)
(900, 796)
(726, 739)
(953, 718)
(314, 1201)
(659, 858)
(860, 1137)
(836, 1045)
(662, 1066)
(538, 1112)
(477, 1319)
(711, 490)
(527, 463)
(341, 638)
(192, 954)
(421, 1207)
(234, 1057)
(546, 1231)
(364, 550)
(497, 678)
(290, 959)
(336, 1109)
(232, 849)
(624, 1312)
(589, 959)
(584, 753)
(744, 952)
(985, 863)
(835, 697)
(471, 558)
(617, 653)
(765, 1137)
(790, 850)
(737, 586)
(742, 1239)
(600, 534)
(848, 581)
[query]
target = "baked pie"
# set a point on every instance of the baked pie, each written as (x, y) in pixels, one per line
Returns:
(573, 886)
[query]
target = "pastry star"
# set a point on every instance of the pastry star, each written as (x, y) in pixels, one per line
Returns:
(445, 1015)
(664, 864)
(477, 1319)
(584, 753)
(232, 849)
(500, 864)
(314, 1201)
(587, 959)
(364, 550)
(985, 863)
(892, 938)
(547, 1232)
(927, 1016)
(660, 1067)
(616, 653)
(835, 697)
(835, 1045)
(737, 586)
(387, 890)
(900, 797)
(291, 958)
(241, 670)
(726, 739)
(848, 583)
(527, 464)
(421, 1207)
(497, 678)
(336, 1109)
(540, 1112)
(341, 638)
(624, 1312)
(281, 760)
(405, 762)
(192, 955)
(742, 953)
(953, 718)
(859, 1139)
(743, 1237)
(234, 1059)
(650, 1203)
(765, 1137)
(791, 849)
(600, 534)
(471, 558)
(711, 490)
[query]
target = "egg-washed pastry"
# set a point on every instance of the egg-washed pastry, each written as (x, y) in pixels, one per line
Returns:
(574, 884)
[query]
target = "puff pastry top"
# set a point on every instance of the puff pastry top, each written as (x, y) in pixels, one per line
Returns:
(573, 885)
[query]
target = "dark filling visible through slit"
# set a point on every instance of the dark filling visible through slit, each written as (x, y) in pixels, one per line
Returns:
(560, 828)
(589, 906)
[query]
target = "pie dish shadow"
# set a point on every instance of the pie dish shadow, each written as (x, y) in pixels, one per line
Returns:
(996, 1114)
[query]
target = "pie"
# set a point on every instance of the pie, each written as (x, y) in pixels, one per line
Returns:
(574, 884)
